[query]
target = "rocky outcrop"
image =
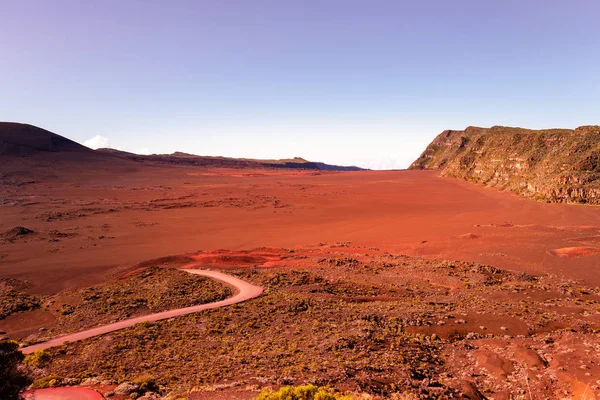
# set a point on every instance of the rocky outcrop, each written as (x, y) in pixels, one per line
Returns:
(554, 165)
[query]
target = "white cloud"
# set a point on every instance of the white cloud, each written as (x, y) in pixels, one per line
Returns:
(144, 151)
(96, 142)
(377, 163)
(99, 141)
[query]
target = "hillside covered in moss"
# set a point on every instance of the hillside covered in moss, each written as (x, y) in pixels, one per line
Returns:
(555, 165)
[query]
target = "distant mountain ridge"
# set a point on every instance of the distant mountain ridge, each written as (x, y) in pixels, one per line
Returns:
(23, 140)
(179, 158)
(554, 165)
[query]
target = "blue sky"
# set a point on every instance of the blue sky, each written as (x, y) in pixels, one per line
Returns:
(348, 82)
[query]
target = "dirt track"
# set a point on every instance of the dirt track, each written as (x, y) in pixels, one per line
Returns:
(245, 291)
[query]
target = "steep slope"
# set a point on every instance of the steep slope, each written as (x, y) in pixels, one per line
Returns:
(29, 155)
(556, 165)
(23, 139)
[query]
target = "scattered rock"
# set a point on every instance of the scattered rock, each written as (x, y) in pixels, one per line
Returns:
(70, 381)
(92, 381)
(16, 233)
(126, 388)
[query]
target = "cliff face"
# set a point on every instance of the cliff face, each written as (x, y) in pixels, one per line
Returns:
(556, 165)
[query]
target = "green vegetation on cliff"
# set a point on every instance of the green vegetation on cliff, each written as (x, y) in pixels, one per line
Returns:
(555, 165)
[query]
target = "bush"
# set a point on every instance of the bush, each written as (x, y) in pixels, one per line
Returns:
(302, 392)
(13, 379)
(47, 382)
(146, 384)
(38, 359)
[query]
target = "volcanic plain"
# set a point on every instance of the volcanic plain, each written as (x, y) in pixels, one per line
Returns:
(379, 283)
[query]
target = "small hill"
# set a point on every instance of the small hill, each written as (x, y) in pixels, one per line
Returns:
(29, 155)
(554, 165)
(23, 139)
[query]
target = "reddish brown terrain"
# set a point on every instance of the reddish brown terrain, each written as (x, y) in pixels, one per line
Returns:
(419, 284)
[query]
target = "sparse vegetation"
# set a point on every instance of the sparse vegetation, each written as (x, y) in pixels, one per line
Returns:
(38, 359)
(383, 325)
(13, 299)
(47, 382)
(151, 290)
(303, 392)
(146, 384)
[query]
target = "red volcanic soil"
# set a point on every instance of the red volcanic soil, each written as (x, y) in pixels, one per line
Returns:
(93, 219)
(228, 258)
(568, 252)
(72, 218)
(91, 223)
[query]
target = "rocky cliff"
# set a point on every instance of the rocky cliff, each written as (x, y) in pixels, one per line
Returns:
(555, 165)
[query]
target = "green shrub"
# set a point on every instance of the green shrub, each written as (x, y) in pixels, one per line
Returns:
(146, 384)
(47, 382)
(302, 392)
(38, 359)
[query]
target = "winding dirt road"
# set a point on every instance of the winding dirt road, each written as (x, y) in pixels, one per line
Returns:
(245, 291)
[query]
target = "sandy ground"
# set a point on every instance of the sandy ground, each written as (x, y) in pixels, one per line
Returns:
(89, 228)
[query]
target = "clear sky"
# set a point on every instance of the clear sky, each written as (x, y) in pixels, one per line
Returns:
(341, 81)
